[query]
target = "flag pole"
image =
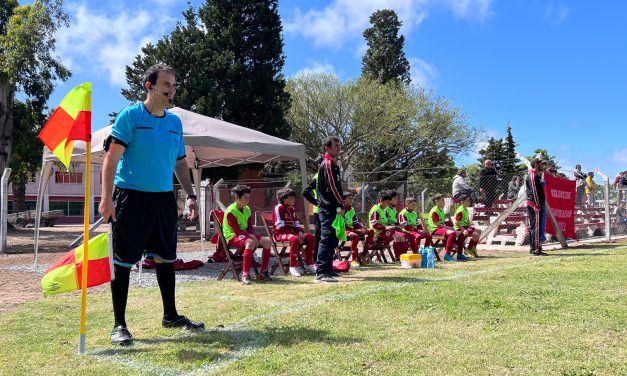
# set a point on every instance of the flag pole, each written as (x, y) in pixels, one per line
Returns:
(82, 334)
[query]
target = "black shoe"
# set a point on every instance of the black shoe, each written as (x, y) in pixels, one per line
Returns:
(541, 253)
(182, 322)
(121, 336)
(333, 274)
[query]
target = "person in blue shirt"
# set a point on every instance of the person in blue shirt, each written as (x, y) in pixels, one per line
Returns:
(143, 151)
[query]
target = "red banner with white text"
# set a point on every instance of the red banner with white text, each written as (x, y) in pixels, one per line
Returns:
(560, 196)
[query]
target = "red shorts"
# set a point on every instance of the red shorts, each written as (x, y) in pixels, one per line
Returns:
(439, 231)
(239, 241)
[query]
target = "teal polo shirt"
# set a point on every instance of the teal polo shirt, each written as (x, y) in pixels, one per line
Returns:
(153, 145)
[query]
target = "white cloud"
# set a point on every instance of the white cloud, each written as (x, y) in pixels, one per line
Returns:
(556, 13)
(102, 44)
(317, 67)
(421, 72)
(345, 20)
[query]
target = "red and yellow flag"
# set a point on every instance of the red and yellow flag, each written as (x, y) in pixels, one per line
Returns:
(65, 274)
(70, 121)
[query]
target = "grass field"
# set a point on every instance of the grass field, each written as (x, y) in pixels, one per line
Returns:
(504, 314)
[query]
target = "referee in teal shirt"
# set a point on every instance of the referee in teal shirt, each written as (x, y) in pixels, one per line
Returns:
(144, 149)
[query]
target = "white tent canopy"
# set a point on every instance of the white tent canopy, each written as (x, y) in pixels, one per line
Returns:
(209, 143)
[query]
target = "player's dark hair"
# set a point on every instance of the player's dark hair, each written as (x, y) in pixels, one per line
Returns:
(328, 141)
(384, 196)
(437, 197)
(409, 200)
(239, 190)
(284, 193)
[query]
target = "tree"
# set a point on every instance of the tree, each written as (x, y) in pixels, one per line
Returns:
(27, 151)
(412, 128)
(27, 62)
(228, 66)
(385, 59)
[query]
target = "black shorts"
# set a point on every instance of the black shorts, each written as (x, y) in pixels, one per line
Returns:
(146, 222)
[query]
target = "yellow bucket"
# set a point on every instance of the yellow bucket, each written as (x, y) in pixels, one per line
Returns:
(410, 260)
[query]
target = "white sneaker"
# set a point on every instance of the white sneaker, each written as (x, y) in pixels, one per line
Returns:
(295, 272)
(311, 269)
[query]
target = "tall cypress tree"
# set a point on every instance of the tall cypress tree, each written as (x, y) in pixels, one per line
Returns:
(385, 59)
(229, 67)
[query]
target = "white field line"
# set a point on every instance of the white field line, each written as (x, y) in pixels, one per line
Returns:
(247, 344)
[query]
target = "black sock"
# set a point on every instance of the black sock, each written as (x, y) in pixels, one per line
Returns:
(119, 294)
(167, 284)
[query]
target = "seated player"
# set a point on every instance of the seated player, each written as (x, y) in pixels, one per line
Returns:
(379, 222)
(437, 226)
(399, 236)
(462, 224)
(354, 231)
(239, 232)
(287, 229)
(408, 219)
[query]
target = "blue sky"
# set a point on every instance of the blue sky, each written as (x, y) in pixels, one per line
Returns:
(555, 70)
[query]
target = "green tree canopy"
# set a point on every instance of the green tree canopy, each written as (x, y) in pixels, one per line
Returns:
(28, 66)
(414, 128)
(228, 56)
(385, 59)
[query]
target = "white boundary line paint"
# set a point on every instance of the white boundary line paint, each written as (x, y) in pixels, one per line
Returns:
(247, 344)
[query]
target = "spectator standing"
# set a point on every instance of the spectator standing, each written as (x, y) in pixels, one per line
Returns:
(535, 204)
(591, 188)
(580, 181)
(488, 180)
(310, 194)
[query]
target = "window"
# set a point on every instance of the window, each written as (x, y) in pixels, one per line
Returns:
(70, 208)
(61, 177)
(30, 205)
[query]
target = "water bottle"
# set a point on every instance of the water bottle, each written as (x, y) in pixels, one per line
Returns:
(423, 257)
(431, 258)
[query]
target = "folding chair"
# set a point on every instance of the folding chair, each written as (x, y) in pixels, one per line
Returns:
(438, 240)
(279, 249)
(234, 261)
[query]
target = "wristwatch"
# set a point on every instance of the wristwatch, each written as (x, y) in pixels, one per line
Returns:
(193, 197)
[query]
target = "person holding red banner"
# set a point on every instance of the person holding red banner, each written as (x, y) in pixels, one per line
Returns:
(535, 204)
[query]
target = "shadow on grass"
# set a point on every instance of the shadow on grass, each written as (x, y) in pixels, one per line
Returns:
(211, 346)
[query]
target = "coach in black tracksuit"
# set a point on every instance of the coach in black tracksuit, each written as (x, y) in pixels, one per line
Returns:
(535, 203)
(330, 203)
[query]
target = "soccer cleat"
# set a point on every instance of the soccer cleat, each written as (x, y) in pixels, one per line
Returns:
(461, 257)
(355, 264)
(473, 252)
(246, 279)
(121, 336)
(449, 257)
(324, 279)
(311, 269)
(295, 271)
(334, 274)
(182, 322)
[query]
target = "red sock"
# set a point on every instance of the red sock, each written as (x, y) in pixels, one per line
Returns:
(460, 244)
(294, 249)
(450, 243)
(310, 239)
(265, 259)
(248, 261)
(472, 244)
(428, 240)
(354, 238)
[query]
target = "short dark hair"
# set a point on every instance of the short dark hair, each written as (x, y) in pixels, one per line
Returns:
(151, 74)
(463, 197)
(437, 197)
(239, 190)
(328, 141)
(347, 194)
(284, 193)
(409, 200)
(392, 194)
(384, 196)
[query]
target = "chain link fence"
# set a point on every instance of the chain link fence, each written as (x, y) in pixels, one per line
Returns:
(600, 211)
